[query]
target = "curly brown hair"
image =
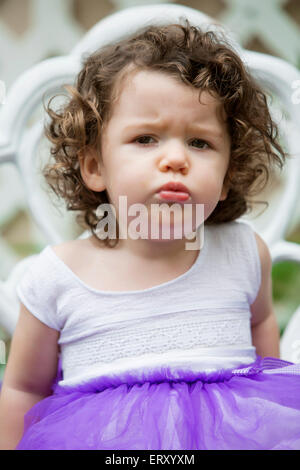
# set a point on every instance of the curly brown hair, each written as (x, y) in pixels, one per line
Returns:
(204, 60)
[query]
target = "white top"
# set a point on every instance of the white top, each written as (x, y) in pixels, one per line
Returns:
(199, 321)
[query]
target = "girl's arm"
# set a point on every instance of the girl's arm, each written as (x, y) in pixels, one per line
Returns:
(264, 328)
(29, 374)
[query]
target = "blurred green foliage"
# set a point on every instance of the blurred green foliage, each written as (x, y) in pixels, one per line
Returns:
(286, 287)
(26, 249)
(286, 291)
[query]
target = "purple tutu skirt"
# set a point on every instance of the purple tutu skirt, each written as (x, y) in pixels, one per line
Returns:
(252, 407)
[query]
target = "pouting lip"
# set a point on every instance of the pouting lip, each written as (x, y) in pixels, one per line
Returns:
(174, 186)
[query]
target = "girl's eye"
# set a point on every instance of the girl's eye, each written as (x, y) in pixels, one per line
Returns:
(199, 143)
(147, 139)
(143, 139)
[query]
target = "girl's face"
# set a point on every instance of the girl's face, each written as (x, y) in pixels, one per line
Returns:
(160, 132)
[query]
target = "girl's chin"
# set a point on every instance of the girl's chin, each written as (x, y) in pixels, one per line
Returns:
(163, 234)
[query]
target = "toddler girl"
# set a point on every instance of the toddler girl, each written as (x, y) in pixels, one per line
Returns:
(146, 342)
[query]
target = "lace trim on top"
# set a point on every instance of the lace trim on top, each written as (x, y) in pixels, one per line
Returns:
(182, 331)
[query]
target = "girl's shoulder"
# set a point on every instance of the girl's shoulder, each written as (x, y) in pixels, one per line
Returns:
(71, 251)
(75, 250)
(86, 262)
(78, 254)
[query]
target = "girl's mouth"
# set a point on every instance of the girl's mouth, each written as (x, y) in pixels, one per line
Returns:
(173, 195)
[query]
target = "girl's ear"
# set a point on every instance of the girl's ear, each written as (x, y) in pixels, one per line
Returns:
(224, 193)
(226, 185)
(91, 170)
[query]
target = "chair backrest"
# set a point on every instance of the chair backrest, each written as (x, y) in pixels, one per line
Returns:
(21, 126)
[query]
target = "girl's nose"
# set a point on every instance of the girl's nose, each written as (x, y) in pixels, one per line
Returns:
(174, 157)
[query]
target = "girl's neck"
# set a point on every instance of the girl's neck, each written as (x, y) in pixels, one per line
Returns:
(154, 249)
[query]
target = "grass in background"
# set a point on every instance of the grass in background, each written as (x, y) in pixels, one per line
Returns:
(286, 286)
(286, 293)
(26, 249)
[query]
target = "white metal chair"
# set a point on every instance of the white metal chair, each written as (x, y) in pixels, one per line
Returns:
(21, 127)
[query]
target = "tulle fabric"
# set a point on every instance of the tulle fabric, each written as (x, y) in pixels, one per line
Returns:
(253, 407)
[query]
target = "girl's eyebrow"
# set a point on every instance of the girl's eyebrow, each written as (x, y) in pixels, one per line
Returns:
(213, 132)
(135, 125)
